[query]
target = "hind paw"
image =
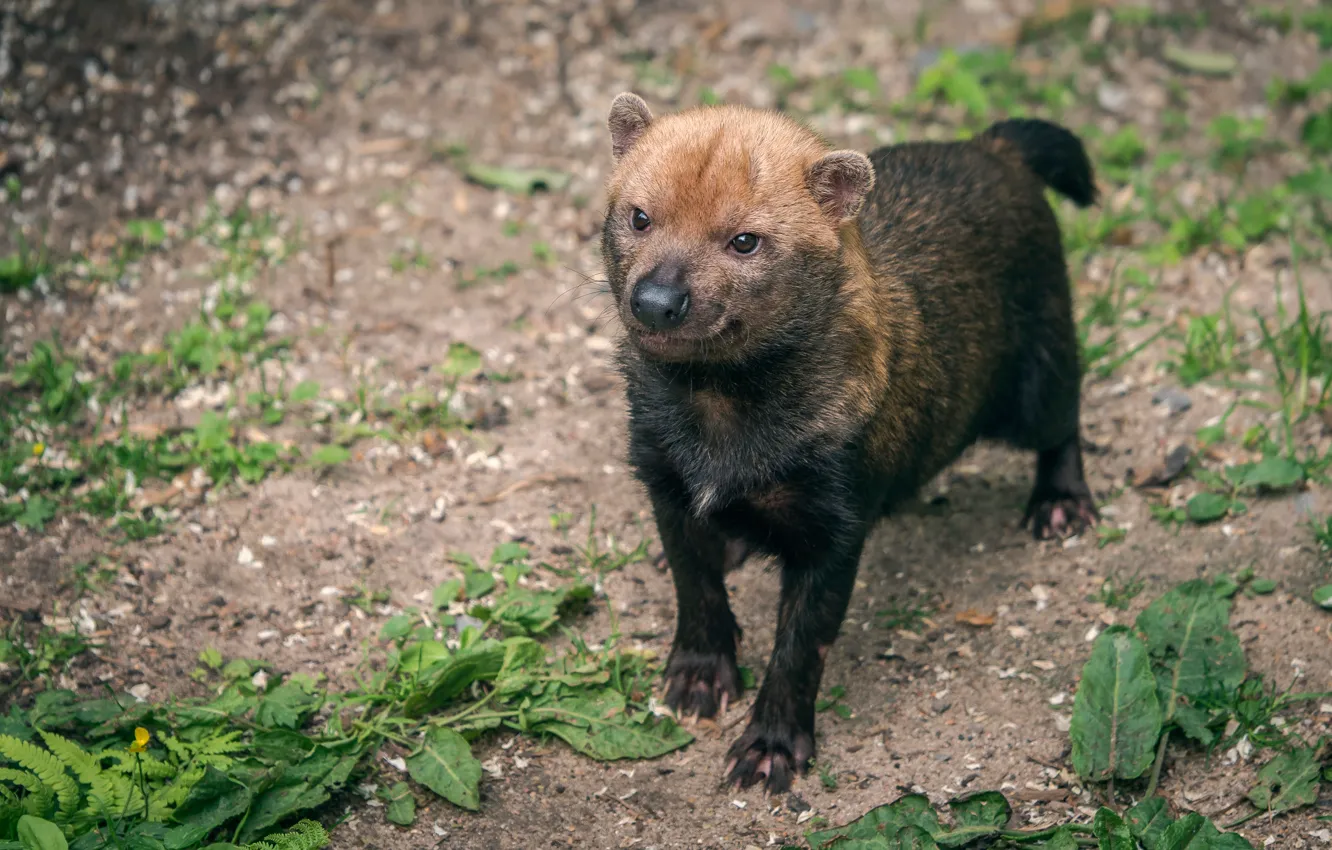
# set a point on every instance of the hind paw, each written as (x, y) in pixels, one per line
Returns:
(1060, 516)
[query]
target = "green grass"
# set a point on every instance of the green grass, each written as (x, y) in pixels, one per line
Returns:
(21, 269)
(265, 748)
(60, 452)
(1118, 591)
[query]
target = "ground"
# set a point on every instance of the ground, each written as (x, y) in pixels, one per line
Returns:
(353, 125)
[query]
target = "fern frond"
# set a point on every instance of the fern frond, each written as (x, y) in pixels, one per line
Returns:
(220, 745)
(88, 770)
(304, 835)
(125, 764)
(22, 778)
(47, 767)
(176, 747)
(41, 804)
(164, 800)
(39, 797)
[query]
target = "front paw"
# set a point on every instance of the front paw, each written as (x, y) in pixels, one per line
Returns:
(701, 683)
(773, 752)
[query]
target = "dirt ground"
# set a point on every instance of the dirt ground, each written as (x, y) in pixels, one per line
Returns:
(340, 115)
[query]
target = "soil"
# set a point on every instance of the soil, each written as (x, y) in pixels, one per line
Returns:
(340, 116)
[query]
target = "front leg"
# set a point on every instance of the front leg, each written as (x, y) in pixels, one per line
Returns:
(779, 741)
(702, 675)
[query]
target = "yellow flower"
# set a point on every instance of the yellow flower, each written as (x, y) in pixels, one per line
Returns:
(38, 449)
(141, 738)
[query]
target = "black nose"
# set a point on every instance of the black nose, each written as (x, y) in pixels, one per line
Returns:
(660, 304)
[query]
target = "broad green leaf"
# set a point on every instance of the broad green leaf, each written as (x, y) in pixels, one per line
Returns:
(1225, 586)
(300, 787)
(1148, 820)
(421, 655)
(1272, 473)
(214, 800)
(396, 627)
(1111, 832)
(1322, 597)
(288, 704)
(1207, 507)
(447, 592)
(880, 822)
(862, 79)
(522, 181)
(1200, 61)
(286, 745)
(978, 815)
(305, 391)
(912, 838)
(1195, 832)
(1195, 723)
(150, 232)
(986, 808)
(445, 765)
(1287, 782)
(36, 833)
(330, 455)
(521, 653)
(1263, 586)
(477, 583)
(480, 662)
(1116, 713)
(461, 360)
(600, 727)
(1194, 653)
(1064, 839)
(400, 804)
(507, 553)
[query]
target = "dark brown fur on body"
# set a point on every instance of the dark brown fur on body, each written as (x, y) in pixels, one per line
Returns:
(783, 398)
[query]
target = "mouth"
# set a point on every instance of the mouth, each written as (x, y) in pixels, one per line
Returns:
(672, 345)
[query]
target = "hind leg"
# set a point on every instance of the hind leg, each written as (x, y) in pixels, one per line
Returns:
(1060, 503)
(1048, 394)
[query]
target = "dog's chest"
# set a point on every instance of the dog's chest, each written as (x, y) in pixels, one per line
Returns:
(727, 452)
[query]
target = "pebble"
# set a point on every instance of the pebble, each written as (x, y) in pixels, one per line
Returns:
(797, 804)
(1112, 97)
(1176, 401)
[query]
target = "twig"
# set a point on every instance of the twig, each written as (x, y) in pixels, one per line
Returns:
(330, 265)
(1245, 819)
(563, 477)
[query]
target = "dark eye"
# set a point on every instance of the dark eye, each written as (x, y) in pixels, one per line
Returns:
(745, 243)
(640, 220)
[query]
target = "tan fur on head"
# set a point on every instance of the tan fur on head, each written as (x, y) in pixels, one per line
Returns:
(721, 168)
(702, 176)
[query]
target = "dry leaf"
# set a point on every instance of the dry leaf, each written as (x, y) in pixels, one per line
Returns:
(972, 617)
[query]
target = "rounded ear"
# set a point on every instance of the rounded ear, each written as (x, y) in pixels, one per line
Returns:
(840, 181)
(629, 117)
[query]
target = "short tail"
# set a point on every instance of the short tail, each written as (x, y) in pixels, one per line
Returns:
(1051, 152)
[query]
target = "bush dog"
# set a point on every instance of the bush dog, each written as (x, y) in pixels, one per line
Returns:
(810, 336)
